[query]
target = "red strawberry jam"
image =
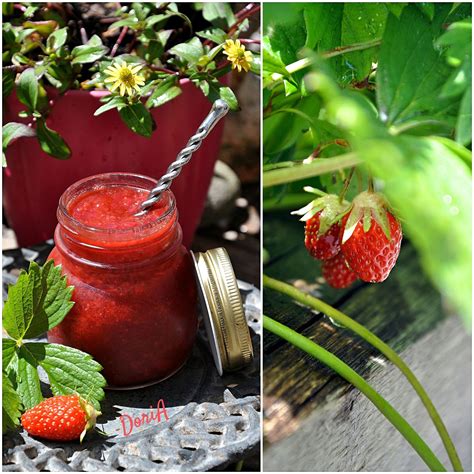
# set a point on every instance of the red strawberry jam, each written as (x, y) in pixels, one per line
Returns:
(134, 288)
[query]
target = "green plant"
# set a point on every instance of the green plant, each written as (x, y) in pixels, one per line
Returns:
(354, 100)
(57, 46)
(37, 302)
(369, 94)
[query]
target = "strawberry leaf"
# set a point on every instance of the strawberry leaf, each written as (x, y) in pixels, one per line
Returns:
(8, 353)
(27, 379)
(70, 371)
(11, 405)
(37, 302)
(57, 299)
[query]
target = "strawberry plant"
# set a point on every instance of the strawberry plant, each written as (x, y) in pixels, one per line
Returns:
(393, 105)
(371, 104)
(38, 302)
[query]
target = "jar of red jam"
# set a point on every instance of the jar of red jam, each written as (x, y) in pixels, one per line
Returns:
(135, 293)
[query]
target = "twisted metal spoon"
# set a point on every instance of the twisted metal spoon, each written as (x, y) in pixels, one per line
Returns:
(219, 109)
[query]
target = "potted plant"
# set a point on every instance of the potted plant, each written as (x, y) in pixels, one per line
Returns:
(112, 90)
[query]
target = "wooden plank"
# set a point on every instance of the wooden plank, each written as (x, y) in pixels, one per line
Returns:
(346, 433)
(400, 311)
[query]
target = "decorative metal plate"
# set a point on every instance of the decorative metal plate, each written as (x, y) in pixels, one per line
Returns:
(212, 421)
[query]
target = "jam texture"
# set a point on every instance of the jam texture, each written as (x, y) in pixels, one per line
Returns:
(135, 305)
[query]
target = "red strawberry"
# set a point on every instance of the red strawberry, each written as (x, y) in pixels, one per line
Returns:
(337, 273)
(322, 228)
(371, 237)
(324, 246)
(60, 418)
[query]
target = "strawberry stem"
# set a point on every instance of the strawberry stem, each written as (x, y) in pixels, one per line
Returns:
(340, 367)
(381, 346)
(299, 171)
(347, 182)
(371, 184)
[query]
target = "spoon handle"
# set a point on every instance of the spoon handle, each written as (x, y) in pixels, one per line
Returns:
(219, 109)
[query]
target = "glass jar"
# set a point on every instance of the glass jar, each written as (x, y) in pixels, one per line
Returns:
(135, 293)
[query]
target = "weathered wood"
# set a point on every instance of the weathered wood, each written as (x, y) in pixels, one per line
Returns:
(299, 392)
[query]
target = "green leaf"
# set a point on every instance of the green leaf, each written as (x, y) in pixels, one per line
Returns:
(427, 9)
(28, 89)
(69, 370)
(131, 22)
(27, 380)
(219, 14)
(56, 39)
(51, 142)
(37, 302)
(8, 352)
(13, 130)
(411, 72)
(138, 119)
(44, 28)
(214, 34)
(8, 82)
(57, 295)
(164, 92)
(115, 103)
(283, 129)
(60, 75)
(190, 51)
(464, 122)
(331, 26)
(22, 301)
(219, 91)
(430, 187)
(90, 52)
(10, 405)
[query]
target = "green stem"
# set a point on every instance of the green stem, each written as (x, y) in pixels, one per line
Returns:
(336, 364)
(306, 62)
(346, 185)
(385, 349)
(308, 170)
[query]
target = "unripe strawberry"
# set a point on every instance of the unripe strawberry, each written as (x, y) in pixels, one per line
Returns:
(371, 237)
(337, 273)
(60, 418)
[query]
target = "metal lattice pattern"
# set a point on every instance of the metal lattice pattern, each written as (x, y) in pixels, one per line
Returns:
(200, 437)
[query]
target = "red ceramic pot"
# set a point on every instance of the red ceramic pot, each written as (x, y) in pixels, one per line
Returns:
(34, 181)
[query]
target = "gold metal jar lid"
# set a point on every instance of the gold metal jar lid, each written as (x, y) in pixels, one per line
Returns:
(222, 310)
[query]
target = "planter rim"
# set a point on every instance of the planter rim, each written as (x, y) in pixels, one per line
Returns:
(100, 92)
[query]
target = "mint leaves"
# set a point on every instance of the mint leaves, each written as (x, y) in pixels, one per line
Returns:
(39, 301)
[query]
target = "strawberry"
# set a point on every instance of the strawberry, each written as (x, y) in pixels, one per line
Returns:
(322, 225)
(60, 418)
(321, 246)
(337, 273)
(370, 237)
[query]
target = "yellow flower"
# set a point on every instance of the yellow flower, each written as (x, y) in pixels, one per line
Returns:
(237, 55)
(124, 76)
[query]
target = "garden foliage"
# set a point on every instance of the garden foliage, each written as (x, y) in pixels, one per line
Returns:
(386, 87)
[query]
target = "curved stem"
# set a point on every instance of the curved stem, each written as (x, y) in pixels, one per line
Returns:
(385, 349)
(336, 364)
(308, 170)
